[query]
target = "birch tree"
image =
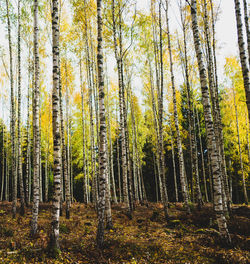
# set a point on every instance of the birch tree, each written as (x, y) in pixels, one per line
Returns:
(212, 146)
(54, 238)
(36, 129)
(243, 54)
(102, 131)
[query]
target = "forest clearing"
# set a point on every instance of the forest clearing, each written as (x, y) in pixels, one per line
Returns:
(124, 131)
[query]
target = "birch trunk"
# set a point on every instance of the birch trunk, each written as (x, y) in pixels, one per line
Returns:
(86, 198)
(156, 111)
(213, 86)
(243, 55)
(247, 29)
(109, 223)
(54, 238)
(67, 163)
(202, 158)
(160, 111)
(119, 169)
(27, 175)
(19, 142)
(102, 132)
(122, 114)
(212, 146)
(174, 169)
(12, 103)
(36, 130)
(156, 123)
(110, 146)
(176, 121)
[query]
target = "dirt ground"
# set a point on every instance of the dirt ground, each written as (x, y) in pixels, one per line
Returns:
(146, 238)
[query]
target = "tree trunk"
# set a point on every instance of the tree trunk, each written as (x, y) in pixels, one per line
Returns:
(27, 175)
(12, 102)
(102, 132)
(160, 112)
(202, 158)
(176, 121)
(110, 146)
(54, 238)
(243, 55)
(119, 169)
(2, 164)
(67, 156)
(90, 97)
(239, 145)
(19, 142)
(86, 198)
(36, 130)
(109, 223)
(122, 114)
(214, 90)
(247, 29)
(174, 169)
(212, 146)
(156, 126)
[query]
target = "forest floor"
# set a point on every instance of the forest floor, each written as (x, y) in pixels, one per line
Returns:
(146, 238)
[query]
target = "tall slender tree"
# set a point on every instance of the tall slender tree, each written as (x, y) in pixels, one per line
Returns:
(102, 131)
(246, 18)
(54, 238)
(36, 129)
(212, 146)
(176, 121)
(243, 54)
(160, 123)
(19, 143)
(12, 102)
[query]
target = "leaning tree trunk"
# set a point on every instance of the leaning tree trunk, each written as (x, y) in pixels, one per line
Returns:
(160, 106)
(36, 130)
(191, 117)
(54, 238)
(102, 132)
(213, 86)
(176, 121)
(243, 54)
(19, 143)
(89, 71)
(12, 102)
(212, 146)
(247, 29)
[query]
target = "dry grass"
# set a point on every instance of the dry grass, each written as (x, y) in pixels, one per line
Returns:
(147, 238)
